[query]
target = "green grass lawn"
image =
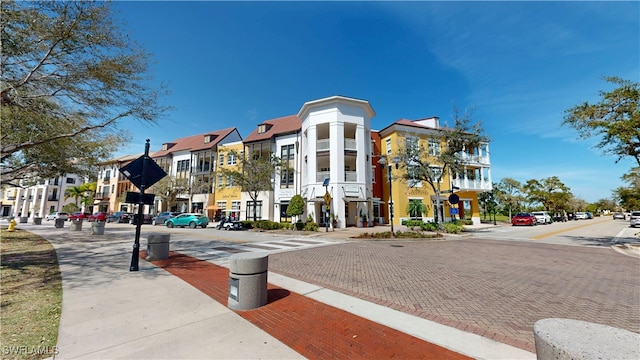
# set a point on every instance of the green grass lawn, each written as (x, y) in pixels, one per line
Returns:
(31, 296)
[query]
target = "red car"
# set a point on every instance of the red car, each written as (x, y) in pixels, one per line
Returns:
(79, 215)
(524, 219)
(98, 216)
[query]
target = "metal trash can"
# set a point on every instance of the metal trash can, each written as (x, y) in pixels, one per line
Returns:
(23, 219)
(60, 223)
(97, 228)
(158, 246)
(248, 280)
(37, 221)
(76, 225)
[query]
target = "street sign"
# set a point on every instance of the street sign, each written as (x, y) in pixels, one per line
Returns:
(454, 199)
(453, 211)
(327, 198)
(133, 172)
(134, 198)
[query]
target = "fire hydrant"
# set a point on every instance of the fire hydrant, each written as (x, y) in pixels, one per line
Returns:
(12, 225)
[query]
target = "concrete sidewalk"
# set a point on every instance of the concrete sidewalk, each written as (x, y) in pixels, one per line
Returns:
(110, 312)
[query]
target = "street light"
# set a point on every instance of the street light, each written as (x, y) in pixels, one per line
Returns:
(383, 162)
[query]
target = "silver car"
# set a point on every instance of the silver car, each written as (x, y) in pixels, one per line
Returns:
(57, 215)
(634, 219)
(161, 218)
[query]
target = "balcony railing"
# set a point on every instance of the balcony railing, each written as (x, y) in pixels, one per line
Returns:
(321, 176)
(323, 145)
(349, 176)
(474, 159)
(350, 144)
(471, 184)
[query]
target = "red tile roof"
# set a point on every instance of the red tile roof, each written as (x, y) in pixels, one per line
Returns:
(195, 142)
(279, 126)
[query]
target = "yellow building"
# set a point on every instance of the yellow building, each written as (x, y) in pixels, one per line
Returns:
(227, 195)
(401, 193)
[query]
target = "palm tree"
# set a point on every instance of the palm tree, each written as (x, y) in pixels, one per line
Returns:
(75, 192)
(416, 208)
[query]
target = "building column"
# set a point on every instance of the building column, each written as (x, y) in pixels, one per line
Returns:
(43, 202)
(16, 208)
(25, 204)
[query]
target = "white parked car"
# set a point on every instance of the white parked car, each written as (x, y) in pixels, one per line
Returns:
(634, 219)
(542, 217)
(581, 216)
(57, 215)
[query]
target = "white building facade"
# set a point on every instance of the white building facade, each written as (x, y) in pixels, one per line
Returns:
(336, 150)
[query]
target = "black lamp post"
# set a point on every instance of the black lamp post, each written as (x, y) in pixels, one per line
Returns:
(383, 162)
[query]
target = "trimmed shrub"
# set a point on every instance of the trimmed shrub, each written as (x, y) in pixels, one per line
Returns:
(310, 226)
(452, 228)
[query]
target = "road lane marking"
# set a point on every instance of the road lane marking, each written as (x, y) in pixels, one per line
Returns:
(538, 237)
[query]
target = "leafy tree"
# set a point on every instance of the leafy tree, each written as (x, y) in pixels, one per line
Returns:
(70, 78)
(421, 165)
(615, 119)
(629, 197)
(296, 205)
(551, 193)
(254, 174)
(509, 194)
(168, 189)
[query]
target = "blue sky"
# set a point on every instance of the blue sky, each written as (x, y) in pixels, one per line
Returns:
(517, 65)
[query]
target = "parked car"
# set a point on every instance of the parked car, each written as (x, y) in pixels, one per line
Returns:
(619, 215)
(57, 215)
(542, 217)
(634, 219)
(589, 215)
(79, 215)
(119, 217)
(98, 216)
(581, 216)
(559, 217)
(162, 217)
(146, 219)
(191, 220)
(524, 219)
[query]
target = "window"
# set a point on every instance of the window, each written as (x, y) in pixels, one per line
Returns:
(286, 178)
(182, 166)
(231, 159)
(230, 181)
(71, 181)
(434, 147)
(373, 174)
(436, 173)
(220, 182)
(412, 144)
(107, 175)
(221, 160)
(413, 171)
(250, 210)
(388, 146)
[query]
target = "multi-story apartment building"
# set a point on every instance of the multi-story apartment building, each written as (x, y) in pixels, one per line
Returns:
(112, 186)
(40, 199)
(226, 194)
(331, 154)
(193, 158)
(337, 152)
(280, 137)
(475, 178)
